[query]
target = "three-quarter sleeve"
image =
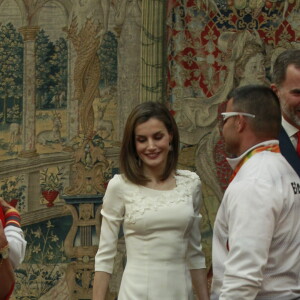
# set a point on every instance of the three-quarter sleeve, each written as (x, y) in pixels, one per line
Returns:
(112, 217)
(195, 256)
(15, 237)
(17, 245)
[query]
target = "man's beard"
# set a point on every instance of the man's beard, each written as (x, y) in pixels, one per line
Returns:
(290, 113)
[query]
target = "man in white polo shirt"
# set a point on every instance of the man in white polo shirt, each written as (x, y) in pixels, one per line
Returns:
(256, 241)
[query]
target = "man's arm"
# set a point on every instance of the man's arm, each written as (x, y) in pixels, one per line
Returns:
(251, 213)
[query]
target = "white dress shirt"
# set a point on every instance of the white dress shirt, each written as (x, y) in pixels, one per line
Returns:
(291, 131)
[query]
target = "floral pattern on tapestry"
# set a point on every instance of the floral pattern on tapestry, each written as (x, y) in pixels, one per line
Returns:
(212, 47)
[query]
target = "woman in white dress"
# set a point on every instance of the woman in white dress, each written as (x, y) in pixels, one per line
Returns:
(158, 207)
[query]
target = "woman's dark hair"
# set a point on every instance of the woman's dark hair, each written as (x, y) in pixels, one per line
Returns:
(129, 160)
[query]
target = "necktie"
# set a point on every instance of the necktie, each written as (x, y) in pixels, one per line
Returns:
(298, 143)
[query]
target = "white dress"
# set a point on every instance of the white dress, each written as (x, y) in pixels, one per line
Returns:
(162, 237)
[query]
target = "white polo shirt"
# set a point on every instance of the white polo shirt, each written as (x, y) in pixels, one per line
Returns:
(256, 242)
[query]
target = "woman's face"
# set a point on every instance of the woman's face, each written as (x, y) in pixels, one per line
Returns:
(254, 71)
(152, 142)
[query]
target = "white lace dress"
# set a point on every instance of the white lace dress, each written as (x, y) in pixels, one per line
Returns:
(162, 236)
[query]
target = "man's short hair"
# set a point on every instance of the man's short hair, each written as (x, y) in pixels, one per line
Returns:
(285, 59)
(262, 102)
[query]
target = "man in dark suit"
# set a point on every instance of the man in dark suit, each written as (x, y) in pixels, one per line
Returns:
(286, 84)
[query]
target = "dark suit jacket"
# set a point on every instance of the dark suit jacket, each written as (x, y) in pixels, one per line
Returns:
(288, 151)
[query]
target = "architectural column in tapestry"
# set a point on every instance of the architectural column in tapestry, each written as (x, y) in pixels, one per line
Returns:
(140, 25)
(73, 104)
(29, 34)
(128, 16)
(18, 110)
(152, 52)
(87, 26)
(87, 32)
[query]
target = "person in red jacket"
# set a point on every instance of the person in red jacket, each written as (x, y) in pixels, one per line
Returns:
(12, 247)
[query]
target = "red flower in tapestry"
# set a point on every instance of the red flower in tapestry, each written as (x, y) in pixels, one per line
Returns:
(187, 58)
(284, 33)
(189, 80)
(190, 3)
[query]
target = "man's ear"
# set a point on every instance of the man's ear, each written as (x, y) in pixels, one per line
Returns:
(274, 88)
(240, 123)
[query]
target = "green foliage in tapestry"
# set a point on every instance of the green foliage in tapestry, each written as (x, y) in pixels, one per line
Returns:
(52, 180)
(12, 189)
(11, 74)
(51, 72)
(45, 259)
(108, 60)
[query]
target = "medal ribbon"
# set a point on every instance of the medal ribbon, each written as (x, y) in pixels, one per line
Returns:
(272, 148)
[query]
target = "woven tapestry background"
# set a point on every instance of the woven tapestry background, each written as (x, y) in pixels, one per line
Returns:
(72, 70)
(213, 47)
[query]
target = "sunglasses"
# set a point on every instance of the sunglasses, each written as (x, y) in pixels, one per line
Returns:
(227, 115)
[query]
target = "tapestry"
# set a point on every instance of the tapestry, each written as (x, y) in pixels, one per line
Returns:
(214, 46)
(70, 73)
(69, 76)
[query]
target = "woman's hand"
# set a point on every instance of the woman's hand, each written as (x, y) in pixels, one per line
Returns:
(5, 206)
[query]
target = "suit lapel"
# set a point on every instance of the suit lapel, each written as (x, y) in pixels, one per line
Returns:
(288, 151)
